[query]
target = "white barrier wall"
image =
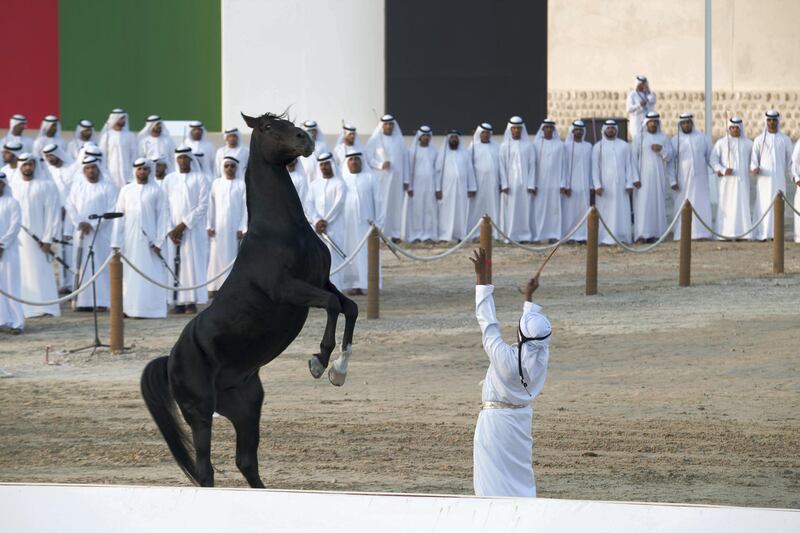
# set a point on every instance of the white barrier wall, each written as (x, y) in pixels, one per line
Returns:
(122, 509)
(324, 58)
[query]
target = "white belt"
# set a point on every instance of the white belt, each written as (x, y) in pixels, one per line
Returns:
(502, 405)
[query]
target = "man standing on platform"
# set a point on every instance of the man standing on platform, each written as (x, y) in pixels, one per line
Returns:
(640, 102)
(770, 161)
(16, 132)
(386, 153)
(503, 445)
(730, 159)
(155, 139)
(49, 133)
(187, 195)
(141, 235)
(119, 147)
(233, 148)
(84, 134)
(320, 147)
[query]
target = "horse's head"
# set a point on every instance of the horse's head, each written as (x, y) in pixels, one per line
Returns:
(277, 139)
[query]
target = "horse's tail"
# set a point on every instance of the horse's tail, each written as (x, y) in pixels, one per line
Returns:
(157, 396)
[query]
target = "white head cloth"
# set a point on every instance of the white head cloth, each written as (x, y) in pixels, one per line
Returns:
(652, 115)
(45, 125)
(347, 128)
(547, 122)
(40, 171)
(16, 119)
(56, 150)
(239, 167)
(513, 122)
(113, 118)
(151, 121)
(476, 137)
(187, 151)
(187, 131)
(772, 114)
(397, 134)
(326, 157)
(576, 125)
(609, 124)
(739, 123)
(86, 124)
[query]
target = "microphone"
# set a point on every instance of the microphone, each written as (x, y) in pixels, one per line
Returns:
(105, 216)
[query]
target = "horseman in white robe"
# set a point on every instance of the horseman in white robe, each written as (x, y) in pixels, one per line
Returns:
(11, 313)
(320, 147)
(575, 196)
(550, 180)
(49, 133)
(421, 219)
(119, 146)
(796, 179)
(386, 154)
(234, 148)
(503, 443)
(227, 220)
(770, 162)
(11, 152)
(730, 160)
(640, 102)
(652, 157)
(690, 175)
(485, 157)
(40, 206)
(614, 176)
(187, 195)
(94, 194)
(517, 181)
(346, 142)
(300, 181)
(195, 137)
(326, 200)
(141, 233)
(155, 139)
(62, 169)
(362, 208)
(84, 133)
(16, 132)
(455, 186)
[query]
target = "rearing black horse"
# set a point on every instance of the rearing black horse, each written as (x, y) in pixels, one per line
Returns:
(281, 270)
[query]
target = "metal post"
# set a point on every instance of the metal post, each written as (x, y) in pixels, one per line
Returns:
(685, 276)
(373, 274)
(592, 241)
(117, 340)
(486, 244)
(777, 241)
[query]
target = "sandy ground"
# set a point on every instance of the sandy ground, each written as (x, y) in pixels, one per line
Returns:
(654, 393)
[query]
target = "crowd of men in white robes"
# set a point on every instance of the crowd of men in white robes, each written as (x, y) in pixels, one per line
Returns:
(184, 208)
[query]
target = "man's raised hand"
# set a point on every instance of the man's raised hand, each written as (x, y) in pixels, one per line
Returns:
(531, 287)
(479, 262)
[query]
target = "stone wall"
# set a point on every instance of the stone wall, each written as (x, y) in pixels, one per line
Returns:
(566, 106)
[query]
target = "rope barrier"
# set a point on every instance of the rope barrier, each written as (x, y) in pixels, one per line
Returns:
(436, 257)
(85, 285)
(178, 288)
(536, 249)
(649, 247)
(353, 254)
(734, 237)
(786, 200)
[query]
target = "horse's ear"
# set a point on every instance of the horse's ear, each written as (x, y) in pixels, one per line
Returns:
(250, 121)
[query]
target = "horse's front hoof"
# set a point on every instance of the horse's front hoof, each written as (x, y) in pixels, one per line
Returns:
(338, 371)
(336, 378)
(315, 367)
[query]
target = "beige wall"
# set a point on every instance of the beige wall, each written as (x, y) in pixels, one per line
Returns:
(596, 48)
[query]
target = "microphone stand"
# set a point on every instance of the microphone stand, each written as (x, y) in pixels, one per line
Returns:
(90, 260)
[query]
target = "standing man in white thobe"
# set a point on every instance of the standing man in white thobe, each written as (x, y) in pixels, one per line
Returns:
(386, 154)
(141, 235)
(49, 133)
(652, 157)
(503, 444)
(455, 186)
(187, 195)
(195, 137)
(421, 221)
(40, 206)
(770, 162)
(730, 160)
(362, 208)
(16, 132)
(155, 139)
(119, 146)
(614, 176)
(92, 195)
(11, 152)
(640, 102)
(517, 181)
(575, 195)
(485, 157)
(690, 175)
(346, 142)
(227, 220)
(796, 179)
(234, 148)
(550, 180)
(299, 180)
(11, 314)
(62, 169)
(320, 147)
(326, 199)
(84, 133)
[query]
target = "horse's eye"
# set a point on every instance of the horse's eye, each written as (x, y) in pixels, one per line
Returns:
(268, 127)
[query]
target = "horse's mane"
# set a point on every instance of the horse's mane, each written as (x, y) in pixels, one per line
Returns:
(282, 116)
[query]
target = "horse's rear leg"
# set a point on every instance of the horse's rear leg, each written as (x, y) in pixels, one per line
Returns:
(242, 406)
(338, 371)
